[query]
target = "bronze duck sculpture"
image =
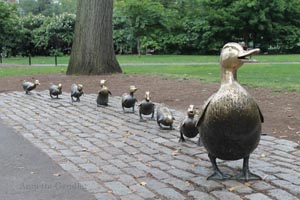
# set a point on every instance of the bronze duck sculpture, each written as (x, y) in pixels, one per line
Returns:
(230, 123)
(164, 117)
(103, 94)
(146, 107)
(55, 90)
(77, 92)
(129, 100)
(29, 86)
(188, 126)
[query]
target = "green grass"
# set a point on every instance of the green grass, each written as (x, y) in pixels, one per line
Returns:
(280, 77)
(30, 71)
(125, 59)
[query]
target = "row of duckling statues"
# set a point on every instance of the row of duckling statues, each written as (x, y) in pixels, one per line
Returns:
(230, 121)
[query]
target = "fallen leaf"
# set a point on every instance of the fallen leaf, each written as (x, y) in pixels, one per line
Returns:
(99, 171)
(290, 128)
(126, 134)
(248, 184)
(176, 152)
(84, 149)
(57, 174)
(142, 183)
(233, 188)
(262, 155)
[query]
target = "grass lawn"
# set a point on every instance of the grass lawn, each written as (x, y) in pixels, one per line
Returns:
(280, 77)
(125, 59)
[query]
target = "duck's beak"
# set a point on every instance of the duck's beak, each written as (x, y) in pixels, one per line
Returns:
(244, 54)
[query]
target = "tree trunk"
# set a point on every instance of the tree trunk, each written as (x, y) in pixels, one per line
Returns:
(92, 51)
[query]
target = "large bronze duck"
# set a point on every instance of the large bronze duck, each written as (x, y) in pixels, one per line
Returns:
(164, 117)
(76, 91)
(103, 94)
(29, 86)
(230, 124)
(146, 107)
(188, 126)
(55, 90)
(129, 100)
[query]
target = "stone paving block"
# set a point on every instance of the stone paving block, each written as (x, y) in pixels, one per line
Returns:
(93, 186)
(184, 186)
(223, 194)
(126, 179)
(237, 187)
(280, 194)
(257, 196)
(105, 196)
(197, 195)
(89, 167)
(142, 191)
(181, 174)
(70, 167)
(131, 197)
(206, 185)
(118, 188)
(111, 169)
(170, 193)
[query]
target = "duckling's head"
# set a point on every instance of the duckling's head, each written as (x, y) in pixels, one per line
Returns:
(233, 56)
(36, 82)
(80, 87)
(132, 89)
(191, 111)
(147, 96)
(59, 86)
(102, 82)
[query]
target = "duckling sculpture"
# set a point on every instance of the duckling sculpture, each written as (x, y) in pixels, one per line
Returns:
(188, 126)
(230, 123)
(164, 117)
(29, 86)
(128, 100)
(103, 94)
(146, 107)
(76, 91)
(55, 90)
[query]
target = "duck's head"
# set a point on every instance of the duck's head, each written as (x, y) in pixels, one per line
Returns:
(102, 82)
(169, 119)
(147, 96)
(191, 111)
(132, 89)
(233, 56)
(36, 82)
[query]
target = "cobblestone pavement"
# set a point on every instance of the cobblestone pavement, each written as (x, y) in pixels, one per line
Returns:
(114, 156)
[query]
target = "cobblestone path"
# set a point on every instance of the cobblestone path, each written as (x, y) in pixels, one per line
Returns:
(114, 156)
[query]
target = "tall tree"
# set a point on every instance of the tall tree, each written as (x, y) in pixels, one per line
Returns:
(92, 51)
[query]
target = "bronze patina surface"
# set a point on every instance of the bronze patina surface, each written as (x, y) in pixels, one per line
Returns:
(103, 94)
(188, 126)
(29, 86)
(55, 90)
(164, 117)
(146, 107)
(77, 92)
(129, 100)
(230, 124)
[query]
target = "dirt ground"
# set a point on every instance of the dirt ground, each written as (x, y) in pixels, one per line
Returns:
(281, 110)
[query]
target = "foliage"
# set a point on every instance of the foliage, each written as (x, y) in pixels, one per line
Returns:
(9, 27)
(47, 7)
(55, 35)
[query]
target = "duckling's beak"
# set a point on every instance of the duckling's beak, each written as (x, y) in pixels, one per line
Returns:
(243, 56)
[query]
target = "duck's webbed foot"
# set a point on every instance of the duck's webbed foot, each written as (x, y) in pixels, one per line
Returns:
(181, 139)
(141, 118)
(200, 143)
(217, 175)
(245, 174)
